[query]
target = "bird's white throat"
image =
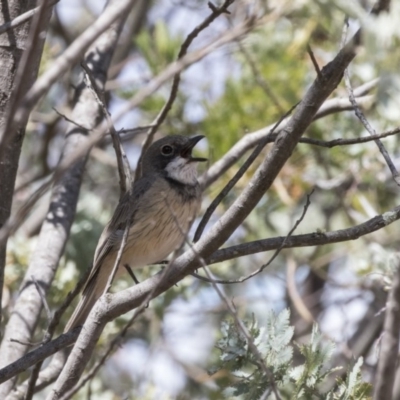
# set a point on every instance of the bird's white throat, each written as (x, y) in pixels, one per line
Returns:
(182, 171)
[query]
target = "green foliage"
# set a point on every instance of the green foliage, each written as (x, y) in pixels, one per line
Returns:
(158, 46)
(302, 382)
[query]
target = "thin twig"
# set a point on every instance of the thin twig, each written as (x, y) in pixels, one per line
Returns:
(360, 115)
(122, 160)
(70, 120)
(310, 239)
(314, 61)
(264, 85)
(123, 169)
(276, 253)
(216, 12)
(24, 343)
(346, 142)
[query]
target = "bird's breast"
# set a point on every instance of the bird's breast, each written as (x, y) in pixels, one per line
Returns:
(159, 227)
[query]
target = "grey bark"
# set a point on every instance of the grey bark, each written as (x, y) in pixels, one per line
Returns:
(12, 45)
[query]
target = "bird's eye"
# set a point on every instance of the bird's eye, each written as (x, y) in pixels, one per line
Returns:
(166, 150)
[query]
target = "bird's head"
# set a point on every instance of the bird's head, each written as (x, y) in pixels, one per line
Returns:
(172, 155)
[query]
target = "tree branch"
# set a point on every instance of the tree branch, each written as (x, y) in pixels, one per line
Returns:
(310, 239)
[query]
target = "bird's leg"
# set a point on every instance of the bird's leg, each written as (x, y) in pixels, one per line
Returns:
(130, 272)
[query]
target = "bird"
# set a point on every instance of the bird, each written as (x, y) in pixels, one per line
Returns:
(160, 209)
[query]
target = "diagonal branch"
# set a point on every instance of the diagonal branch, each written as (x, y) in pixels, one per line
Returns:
(370, 129)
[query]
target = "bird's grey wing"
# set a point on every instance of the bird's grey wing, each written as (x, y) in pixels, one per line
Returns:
(111, 237)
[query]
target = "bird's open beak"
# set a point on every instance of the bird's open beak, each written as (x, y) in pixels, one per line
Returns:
(187, 150)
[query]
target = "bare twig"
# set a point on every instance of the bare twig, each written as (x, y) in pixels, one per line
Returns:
(259, 78)
(346, 142)
(387, 360)
(122, 160)
(216, 12)
(123, 169)
(360, 115)
(314, 61)
(310, 239)
(69, 119)
(128, 134)
(276, 253)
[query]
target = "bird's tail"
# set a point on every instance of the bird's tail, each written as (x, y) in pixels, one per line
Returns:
(93, 290)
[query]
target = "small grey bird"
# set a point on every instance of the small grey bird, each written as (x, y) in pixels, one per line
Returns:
(164, 203)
